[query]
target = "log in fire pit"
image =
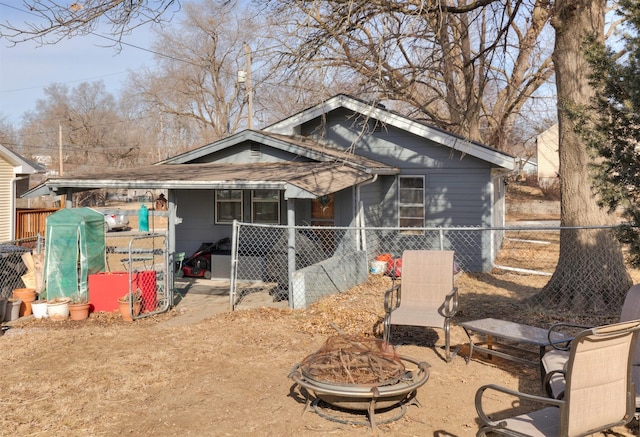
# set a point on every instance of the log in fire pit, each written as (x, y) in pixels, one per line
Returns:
(359, 375)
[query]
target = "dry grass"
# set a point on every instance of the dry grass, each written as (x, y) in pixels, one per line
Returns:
(228, 374)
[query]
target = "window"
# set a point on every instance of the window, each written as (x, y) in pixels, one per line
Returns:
(411, 201)
(265, 206)
(228, 205)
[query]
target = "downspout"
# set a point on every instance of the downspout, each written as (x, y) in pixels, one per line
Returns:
(12, 208)
(359, 213)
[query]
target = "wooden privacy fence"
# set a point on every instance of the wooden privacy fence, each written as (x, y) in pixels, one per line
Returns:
(31, 222)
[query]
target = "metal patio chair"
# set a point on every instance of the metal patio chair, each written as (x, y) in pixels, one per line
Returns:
(599, 392)
(425, 295)
(555, 360)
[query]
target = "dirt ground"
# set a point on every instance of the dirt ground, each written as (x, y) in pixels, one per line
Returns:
(228, 375)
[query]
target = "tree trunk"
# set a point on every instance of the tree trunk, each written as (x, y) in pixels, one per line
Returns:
(591, 274)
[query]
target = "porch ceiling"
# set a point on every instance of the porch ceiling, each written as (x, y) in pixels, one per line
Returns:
(298, 179)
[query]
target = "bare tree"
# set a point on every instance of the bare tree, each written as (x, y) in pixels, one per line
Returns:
(195, 81)
(53, 21)
(83, 125)
(467, 67)
(8, 134)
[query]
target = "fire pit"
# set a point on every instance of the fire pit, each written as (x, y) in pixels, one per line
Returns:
(359, 375)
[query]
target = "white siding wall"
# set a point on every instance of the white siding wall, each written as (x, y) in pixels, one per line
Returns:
(6, 210)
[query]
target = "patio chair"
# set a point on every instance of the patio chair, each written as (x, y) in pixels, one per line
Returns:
(555, 360)
(178, 259)
(599, 392)
(425, 295)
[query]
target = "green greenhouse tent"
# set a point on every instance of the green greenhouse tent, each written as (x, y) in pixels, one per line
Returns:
(75, 248)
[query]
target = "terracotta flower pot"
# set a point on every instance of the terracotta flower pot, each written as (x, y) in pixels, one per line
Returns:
(79, 311)
(26, 295)
(126, 311)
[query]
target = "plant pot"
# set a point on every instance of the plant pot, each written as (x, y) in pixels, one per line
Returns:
(12, 310)
(79, 311)
(40, 310)
(58, 308)
(125, 309)
(26, 295)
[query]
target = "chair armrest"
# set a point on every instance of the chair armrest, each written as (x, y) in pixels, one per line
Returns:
(392, 298)
(562, 345)
(514, 393)
(451, 303)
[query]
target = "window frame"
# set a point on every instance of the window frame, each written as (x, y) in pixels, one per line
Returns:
(402, 205)
(218, 201)
(253, 207)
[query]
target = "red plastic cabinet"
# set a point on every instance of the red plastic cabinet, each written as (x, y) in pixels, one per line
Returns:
(105, 288)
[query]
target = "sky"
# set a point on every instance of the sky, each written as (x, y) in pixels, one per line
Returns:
(25, 69)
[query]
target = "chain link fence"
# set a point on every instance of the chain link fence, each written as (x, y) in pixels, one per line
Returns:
(138, 267)
(332, 259)
(13, 267)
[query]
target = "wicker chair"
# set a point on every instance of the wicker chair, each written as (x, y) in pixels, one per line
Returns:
(425, 295)
(599, 392)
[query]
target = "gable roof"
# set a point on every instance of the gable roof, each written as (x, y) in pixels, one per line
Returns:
(21, 165)
(296, 145)
(455, 142)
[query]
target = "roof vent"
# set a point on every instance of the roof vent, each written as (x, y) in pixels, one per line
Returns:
(255, 150)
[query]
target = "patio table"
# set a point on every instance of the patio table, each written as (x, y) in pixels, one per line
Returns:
(503, 338)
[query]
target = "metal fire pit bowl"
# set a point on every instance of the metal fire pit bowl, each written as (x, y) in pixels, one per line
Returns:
(363, 397)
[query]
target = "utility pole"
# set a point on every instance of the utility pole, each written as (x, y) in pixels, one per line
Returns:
(247, 50)
(60, 147)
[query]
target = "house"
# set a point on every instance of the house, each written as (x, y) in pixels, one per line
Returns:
(548, 158)
(342, 162)
(14, 181)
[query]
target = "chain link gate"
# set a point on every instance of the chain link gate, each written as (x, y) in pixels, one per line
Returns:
(329, 260)
(150, 274)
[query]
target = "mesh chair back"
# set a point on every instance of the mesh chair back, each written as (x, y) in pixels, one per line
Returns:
(427, 277)
(599, 388)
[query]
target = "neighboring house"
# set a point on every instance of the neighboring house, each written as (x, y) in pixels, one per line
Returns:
(14, 181)
(342, 162)
(548, 156)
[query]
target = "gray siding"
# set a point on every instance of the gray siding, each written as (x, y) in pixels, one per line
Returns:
(344, 208)
(455, 199)
(458, 186)
(246, 153)
(390, 145)
(196, 208)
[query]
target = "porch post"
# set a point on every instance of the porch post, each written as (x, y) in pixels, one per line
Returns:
(171, 229)
(291, 246)
(171, 246)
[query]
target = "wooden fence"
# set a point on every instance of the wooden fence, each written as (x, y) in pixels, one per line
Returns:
(31, 222)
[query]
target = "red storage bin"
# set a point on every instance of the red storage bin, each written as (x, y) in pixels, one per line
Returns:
(106, 287)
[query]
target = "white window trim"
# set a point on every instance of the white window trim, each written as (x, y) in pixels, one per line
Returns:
(424, 203)
(241, 201)
(254, 201)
